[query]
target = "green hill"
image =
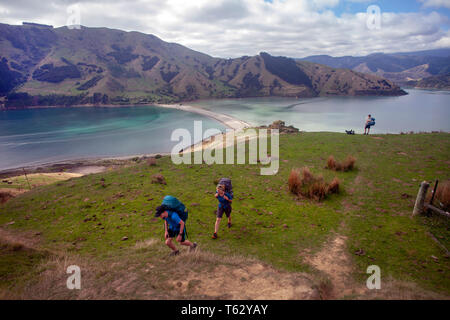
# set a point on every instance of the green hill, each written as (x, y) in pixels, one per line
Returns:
(84, 221)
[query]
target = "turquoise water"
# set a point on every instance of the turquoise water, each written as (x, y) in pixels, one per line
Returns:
(421, 110)
(36, 136)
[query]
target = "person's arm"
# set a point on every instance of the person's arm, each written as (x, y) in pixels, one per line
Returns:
(180, 235)
(228, 199)
(166, 232)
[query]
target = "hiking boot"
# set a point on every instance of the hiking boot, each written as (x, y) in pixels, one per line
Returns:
(194, 246)
(215, 236)
(229, 224)
(174, 253)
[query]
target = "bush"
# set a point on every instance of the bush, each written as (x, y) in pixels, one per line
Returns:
(331, 163)
(294, 181)
(347, 165)
(304, 183)
(334, 186)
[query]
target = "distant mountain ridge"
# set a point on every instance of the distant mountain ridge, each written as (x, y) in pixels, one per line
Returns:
(401, 68)
(42, 65)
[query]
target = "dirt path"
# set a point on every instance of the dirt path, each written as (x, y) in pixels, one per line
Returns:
(335, 263)
(252, 281)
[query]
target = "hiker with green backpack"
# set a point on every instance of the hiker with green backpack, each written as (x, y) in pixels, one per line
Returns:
(174, 214)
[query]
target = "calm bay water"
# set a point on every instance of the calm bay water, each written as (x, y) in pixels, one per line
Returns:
(421, 110)
(37, 136)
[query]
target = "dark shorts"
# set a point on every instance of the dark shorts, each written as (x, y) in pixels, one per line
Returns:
(175, 233)
(367, 126)
(220, 212)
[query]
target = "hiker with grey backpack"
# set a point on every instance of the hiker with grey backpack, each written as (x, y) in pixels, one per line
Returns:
(224, 194)
(174, 214)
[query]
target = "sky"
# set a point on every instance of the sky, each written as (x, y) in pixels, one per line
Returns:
(233, 28)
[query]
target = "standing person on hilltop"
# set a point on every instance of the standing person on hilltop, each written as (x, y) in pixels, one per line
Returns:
(369, 122)
(225, 199)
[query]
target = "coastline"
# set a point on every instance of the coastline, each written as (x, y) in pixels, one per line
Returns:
(228, 121)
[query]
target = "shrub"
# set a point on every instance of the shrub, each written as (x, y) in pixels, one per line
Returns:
(347, 165)
(318, 189)
(307, 176)
(294, 181)
(334, 186)
(304, 183)
(331, 163)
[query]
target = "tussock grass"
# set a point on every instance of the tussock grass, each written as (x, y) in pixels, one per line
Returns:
(347, 165)
(304, 183)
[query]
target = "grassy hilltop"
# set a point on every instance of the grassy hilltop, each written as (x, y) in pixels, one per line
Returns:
(105, 224)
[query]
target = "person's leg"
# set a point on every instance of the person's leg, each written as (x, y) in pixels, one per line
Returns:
(219, 215)
(187, 243)
(368, 130)
(170, 244)
(228, 212)
(216, 227)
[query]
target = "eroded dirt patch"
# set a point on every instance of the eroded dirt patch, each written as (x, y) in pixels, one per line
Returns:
(334, 262)
(251, 282)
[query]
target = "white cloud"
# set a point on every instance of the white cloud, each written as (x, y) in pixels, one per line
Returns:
(231, 28)
(436, 3)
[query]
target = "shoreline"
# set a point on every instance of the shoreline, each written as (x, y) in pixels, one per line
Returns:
(228, 121)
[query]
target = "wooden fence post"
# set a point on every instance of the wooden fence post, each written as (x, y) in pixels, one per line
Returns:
(420, 200)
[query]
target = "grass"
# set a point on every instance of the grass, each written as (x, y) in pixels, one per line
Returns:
(34, 180)
(89, 216)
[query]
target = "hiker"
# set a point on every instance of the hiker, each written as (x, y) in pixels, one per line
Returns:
(174, 227)
(225, 199)
(369, 122)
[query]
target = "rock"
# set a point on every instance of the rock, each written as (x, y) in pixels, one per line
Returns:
(124, 238)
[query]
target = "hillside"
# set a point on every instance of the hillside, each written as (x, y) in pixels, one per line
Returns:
(41, 65)
(441, 82)
(279, 247)
(398, 67)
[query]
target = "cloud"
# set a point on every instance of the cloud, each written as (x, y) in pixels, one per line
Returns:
(232, 28)
(436, 3)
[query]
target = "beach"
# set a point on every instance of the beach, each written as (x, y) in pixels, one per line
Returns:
(74, 165)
